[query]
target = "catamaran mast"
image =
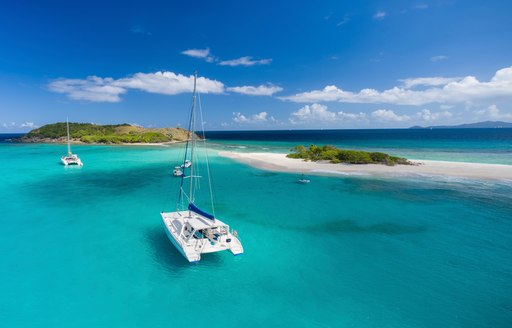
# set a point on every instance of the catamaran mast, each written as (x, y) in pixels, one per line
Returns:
(67, 124)
(193, 128)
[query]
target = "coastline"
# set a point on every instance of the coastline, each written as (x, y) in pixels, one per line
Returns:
(104, 144)
(281, 163)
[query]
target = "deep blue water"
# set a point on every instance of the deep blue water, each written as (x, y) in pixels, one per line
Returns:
(84, 247)
(7, 137)
(465, 135)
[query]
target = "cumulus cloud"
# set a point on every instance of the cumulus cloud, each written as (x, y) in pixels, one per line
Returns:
(199, 53)
(93, 88)
(256, 118)
(427, 115)
(385, 115)
(169, 83)
(245, 61)
(262, 90)
(493, 113)
(450, 91)
(97, 89)
(379, 15)
(319, 113)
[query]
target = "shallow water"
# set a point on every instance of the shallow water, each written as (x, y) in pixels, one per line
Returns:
(84, 247)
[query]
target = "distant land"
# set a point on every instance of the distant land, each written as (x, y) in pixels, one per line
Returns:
(478, 125)
(103, 134)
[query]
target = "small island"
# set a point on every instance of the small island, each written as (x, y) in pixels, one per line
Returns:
(104, 134)
(335, 155)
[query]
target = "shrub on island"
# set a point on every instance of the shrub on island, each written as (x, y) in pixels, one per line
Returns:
(334, 155)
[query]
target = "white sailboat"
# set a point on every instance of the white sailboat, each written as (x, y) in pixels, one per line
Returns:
(193, 231)
(70, 158)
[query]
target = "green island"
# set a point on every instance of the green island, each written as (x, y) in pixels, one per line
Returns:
(103, 134)
(335, 155)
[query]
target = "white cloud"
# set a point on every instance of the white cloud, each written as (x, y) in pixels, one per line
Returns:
(493, 113)
(93, 88)
(315, 112)
(421, 6)
(379, 15)
(262, 90)
(242, 61)
(438, 58)
(99, 89)
(428, 81)
(245, 61)
(385, 115)
(30, 125)
(427, 115)
(351, 116)
(169, 83)
(256, 118)
(199, 53)
(24, 125)
(319, 113)
(449, 91)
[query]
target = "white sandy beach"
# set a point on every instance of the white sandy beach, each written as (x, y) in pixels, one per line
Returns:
(279, 162)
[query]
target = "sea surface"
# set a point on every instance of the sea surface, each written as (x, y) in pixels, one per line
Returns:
(85, 247)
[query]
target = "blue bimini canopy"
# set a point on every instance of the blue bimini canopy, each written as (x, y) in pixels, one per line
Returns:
(199, 211)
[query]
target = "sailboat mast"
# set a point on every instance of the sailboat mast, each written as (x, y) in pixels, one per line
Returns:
(67, 124)
(193, 125)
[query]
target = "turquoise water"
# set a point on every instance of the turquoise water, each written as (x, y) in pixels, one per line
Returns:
(84, 247)
(492, 146)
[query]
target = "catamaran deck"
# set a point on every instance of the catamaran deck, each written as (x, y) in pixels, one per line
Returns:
(194, 234)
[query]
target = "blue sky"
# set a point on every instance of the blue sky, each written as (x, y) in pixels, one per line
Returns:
(262, 64)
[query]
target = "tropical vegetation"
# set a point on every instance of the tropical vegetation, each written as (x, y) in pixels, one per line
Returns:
(334, 155)
(94, 133)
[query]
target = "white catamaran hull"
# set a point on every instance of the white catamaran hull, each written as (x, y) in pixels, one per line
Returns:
(191, 243)
(71, 160)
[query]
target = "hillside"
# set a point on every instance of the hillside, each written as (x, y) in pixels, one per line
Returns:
(105, 134)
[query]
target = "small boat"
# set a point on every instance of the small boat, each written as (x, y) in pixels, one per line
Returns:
(192, 230)
(70, 158)
(303, 179)
(177, 172)
(186, 164)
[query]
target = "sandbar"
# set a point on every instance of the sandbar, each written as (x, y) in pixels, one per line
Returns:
(281, 163)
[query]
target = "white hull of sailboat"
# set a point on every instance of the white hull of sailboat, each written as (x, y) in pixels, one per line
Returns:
(191, 245)
(71, 160)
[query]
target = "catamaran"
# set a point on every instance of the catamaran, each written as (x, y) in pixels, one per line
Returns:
(70, 158)
(192, 230)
